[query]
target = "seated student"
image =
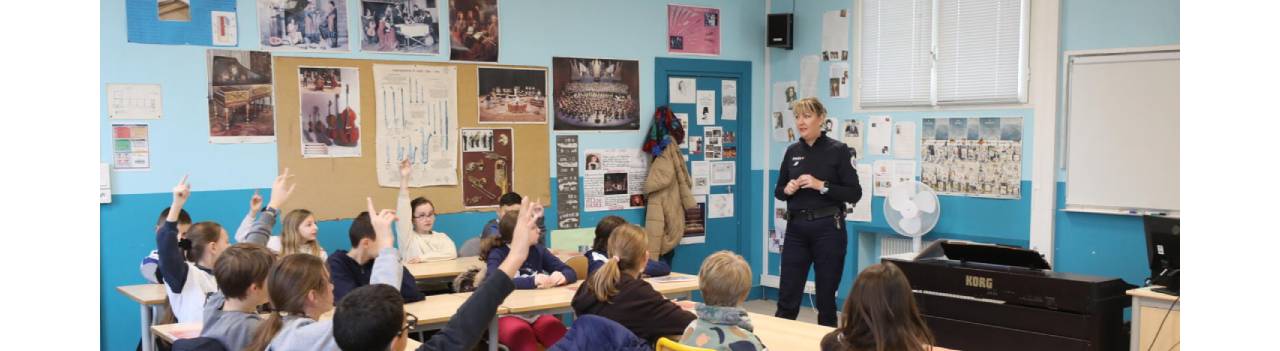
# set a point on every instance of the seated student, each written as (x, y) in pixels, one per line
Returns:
(880, 313)
(616, 291)
(539, 271)
(231, 314)
(725, 280)
(183, 263)
(352, 269)
(149, 263)
(299, 227)
(506, 203)
(597, 256)
(418, 242)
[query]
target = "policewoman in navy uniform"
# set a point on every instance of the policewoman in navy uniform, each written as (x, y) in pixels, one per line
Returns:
(816, 179)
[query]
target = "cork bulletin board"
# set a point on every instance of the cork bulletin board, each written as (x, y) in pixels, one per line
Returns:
(335, 188)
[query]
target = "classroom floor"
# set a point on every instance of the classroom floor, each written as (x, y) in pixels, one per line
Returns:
(807, 314)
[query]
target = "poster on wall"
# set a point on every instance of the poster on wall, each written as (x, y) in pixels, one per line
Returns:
(888, 173)
(720, 206)
(488, 165)
(979, 157)
(104, 183)
(835, 35)
(861, 211)
(695, 222)
(130, 144)
(693, 30)
(681, 90)
(706, 107)
(781, 121)
(614, 179)
(881, 133)
(684, 125)
(511, 95)
(852, 136)
(729, 99)
(134, 101)
(179, 22)
(778, 233)
(713, 137)
(904, 140)
(838, 80)
(400, 26)
(596, 94)
(303, 25)
(330, 106)
(473, 30)
(809, 76)
(417, 120)
(568, 204)
(224, 28)
(700, 177)
(240, 97)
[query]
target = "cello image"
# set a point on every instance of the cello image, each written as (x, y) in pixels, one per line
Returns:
(342, 127)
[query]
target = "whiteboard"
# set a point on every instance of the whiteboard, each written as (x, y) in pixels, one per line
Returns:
(1122, 132)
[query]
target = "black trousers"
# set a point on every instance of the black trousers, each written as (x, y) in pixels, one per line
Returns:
(821, 242)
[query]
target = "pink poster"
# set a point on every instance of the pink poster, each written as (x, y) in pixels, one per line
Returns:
(693, 30)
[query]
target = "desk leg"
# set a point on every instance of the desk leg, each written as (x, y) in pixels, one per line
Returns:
(493, 334)
(148, 340)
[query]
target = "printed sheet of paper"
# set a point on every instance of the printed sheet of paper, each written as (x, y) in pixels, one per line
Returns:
(775, 240)
(852, 136)
(706, 107)
(329, 99)
(681, 90)
(720, 206)
(809, 76)
(713, 140)
(723, 172)
(224, 28)
(134, 101)
(614, 179)
(695, 222)
(881, 135)
(729, 100)
(781, 120)
(568, 204)
(838, 80)
(903, 171)
(684, 124)
(904, 140)
(835, 35)
(861, 212)
(417, 119)
(104, 183)
(979, 157)
(882, 177)
(131, 148)
(700, 175)
(777, 234)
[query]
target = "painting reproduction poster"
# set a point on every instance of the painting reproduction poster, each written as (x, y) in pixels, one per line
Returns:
(473, 30)
(330, 107)
(400, 26)
(488, 165)
(512, 95)
(303, 25)
(417, 120)
(240, 97)
(596, 94)
(614, 179)
(693, 30)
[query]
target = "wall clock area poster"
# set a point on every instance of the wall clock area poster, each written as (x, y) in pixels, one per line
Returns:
(473, 30)
(593, 94)
(693, 30)
(488, 165)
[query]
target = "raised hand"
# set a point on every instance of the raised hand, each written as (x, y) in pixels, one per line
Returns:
(181, 193)
(281, 189)
(382, 221)
(405, 170)
(255, 202)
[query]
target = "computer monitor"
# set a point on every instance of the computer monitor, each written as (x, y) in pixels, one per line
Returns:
(1162, 251)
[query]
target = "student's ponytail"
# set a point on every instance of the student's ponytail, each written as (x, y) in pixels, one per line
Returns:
(289, 282)
(627, 245)
(198, 239)
(266, 331)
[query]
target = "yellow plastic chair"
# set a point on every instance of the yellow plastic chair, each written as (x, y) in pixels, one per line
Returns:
(579, 265)
(665, 344)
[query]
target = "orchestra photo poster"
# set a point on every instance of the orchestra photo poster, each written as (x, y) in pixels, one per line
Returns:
(303, 25)
(473, 30)
(593, 94)
(240, 97)
(511, 95)
(401, 26)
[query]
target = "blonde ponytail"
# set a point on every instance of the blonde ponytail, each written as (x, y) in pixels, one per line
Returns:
(627, 245)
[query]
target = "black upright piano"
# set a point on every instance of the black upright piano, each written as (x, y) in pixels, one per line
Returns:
(992, 297)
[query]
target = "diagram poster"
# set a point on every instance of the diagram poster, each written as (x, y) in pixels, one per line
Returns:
(131, 148)
(402, 26)
(596, 94)
(567, 201)
(614, 179)
(488, 166)
(241, 105)
(512, 95)
(303, 25)
(693, 30)
(134, 101)
(330, 99)
(417, 119)
(980, 157)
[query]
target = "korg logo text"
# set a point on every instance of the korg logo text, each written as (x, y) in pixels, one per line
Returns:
(977, 282)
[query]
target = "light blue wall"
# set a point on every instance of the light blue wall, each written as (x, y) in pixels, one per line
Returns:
(224, 176)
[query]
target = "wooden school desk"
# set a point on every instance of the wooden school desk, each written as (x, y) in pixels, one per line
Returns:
(149, 298)
(448, 269)
(171, 332)
(1149, 308)
(778, 333)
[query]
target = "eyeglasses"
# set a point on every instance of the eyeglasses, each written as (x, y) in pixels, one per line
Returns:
(424, 215)
(410, 321)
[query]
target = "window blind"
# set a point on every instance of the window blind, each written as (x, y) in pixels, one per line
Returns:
(896, 39)
(981, 51)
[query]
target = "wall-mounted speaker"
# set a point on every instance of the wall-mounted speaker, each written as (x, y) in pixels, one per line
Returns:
(780, 25)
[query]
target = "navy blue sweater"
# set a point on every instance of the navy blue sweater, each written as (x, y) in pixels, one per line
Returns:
(596, 259)
(346, 275)
(173, 266)
(540, 260)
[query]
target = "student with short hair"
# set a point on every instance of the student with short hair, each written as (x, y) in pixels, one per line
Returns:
(231, 314)
(722, 324)
(616, 292)
(419, 242)
(349, 270)
(506, 203)
(150, 263)
(184, 263)
(880, 313)
(598, 255)
(540, 270)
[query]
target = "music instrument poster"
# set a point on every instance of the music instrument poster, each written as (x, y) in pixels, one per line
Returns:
(241, 105)
(330, 108)
(488, 165)
(417, 119)
(511, 95)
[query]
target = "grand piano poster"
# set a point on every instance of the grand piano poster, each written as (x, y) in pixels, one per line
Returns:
(488, 166)
(403, 26)
(240, 97)
(330, 107)
(512, 95)
(303, 25)
(693, 30)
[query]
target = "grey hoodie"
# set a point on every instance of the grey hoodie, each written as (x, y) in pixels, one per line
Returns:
(304, 333)
(232, 328)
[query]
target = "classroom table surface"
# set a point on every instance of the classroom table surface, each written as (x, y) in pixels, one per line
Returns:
(454, 267)
(778, 333)
(1150, 293)
(533, 300)
(178, 331)
(438, 309)
(146, 294)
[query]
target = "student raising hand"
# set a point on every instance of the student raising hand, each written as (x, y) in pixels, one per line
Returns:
(181, 193)
(382, 224)
(406, 170)
(255, 203)
(281, 189)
